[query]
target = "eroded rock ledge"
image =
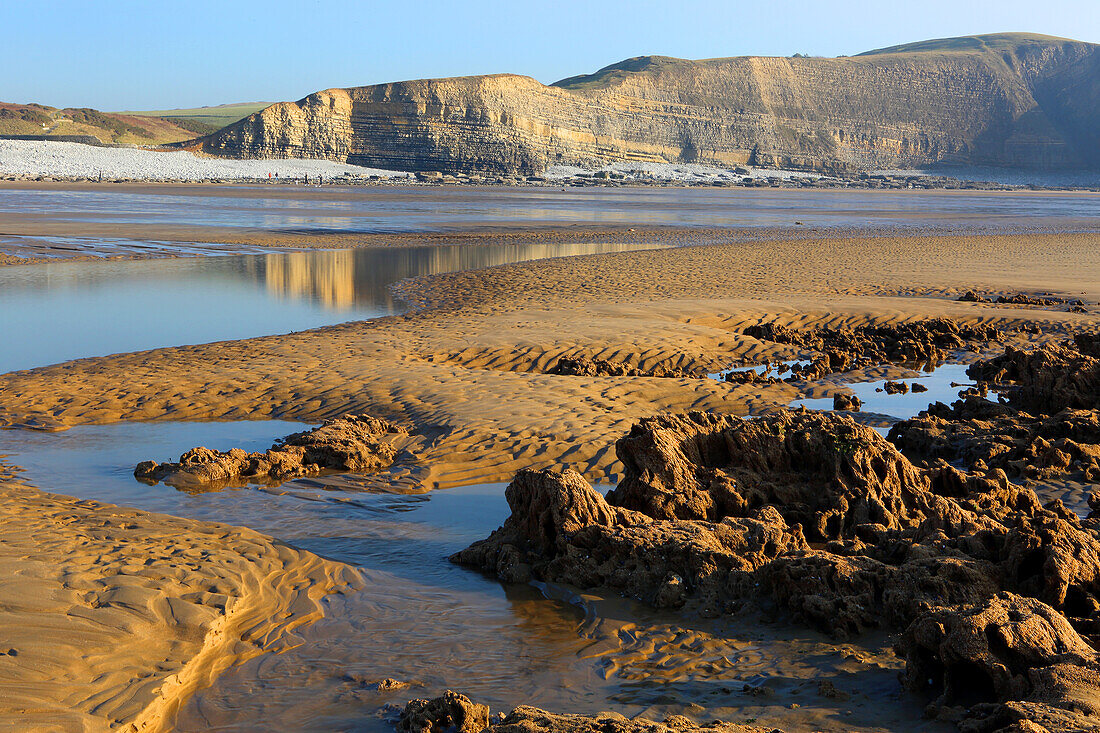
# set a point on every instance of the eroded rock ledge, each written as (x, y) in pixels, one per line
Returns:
(455, 713)
(844, 349)
(820, 517)
(1047, 426)
(350, 443)
(1009, 663)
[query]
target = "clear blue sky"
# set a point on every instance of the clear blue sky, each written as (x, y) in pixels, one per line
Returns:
(150, 54)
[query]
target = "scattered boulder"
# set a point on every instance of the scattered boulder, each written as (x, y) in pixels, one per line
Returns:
(895, 387)
(846, 402)
(351, 443)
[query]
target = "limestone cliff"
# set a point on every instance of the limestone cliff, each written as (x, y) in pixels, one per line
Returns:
(1005, 100)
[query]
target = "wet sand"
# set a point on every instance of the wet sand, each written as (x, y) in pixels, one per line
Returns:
(465, 370)
(113, 617)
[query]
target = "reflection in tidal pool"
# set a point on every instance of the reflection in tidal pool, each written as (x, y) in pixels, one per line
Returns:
(69, 310)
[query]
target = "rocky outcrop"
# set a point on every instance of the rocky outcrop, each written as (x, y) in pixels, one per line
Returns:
(584, 367)
(1047, 425)
(1006, 664)
(1009, 100)
(843, 349)
(1020, 299)
(455, 713)
(983, 435)
(448, 713)
(1046, 380)
(351, 443)
(820, 515)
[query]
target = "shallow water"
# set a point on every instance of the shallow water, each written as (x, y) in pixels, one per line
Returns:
(67, 310)
(424, 620)
(939, 382)
(413, 209)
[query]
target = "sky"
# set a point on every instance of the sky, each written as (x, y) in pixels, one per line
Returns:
(132, 55)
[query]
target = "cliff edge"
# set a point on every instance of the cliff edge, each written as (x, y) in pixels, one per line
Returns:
(1012, 100)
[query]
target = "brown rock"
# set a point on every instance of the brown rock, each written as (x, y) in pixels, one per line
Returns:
(846, 402)
(975, 431)
(1047, 380)
(351, 443)
(712, 513)
(449, 713)
(584, 367)
(454, 712)
(1005, 661)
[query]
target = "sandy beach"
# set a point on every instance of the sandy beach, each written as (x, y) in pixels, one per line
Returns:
(162, 605)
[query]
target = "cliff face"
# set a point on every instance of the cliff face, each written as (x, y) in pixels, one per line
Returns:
(1008, 100)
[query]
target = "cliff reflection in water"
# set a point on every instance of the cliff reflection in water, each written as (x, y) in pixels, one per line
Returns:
(347, 279)
(70, 310)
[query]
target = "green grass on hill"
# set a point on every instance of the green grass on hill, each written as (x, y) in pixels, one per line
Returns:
(971, 44)
(205, 119)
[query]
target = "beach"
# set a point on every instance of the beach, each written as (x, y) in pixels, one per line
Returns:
(466, 366)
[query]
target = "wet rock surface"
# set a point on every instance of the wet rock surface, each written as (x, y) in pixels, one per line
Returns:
(448, 713)
(1008, 663)
(815, 516)
(846, 402)
(351, 443)
(813, 513)
(583, 367)
(1047, 425)
(455, 713)
(845, 349)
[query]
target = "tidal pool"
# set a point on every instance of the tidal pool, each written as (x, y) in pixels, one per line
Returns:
(69, 310)
(423, 620)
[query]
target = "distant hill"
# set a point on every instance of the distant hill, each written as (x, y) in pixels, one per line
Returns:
(1014, 100)
(107, 127)
(204, 120)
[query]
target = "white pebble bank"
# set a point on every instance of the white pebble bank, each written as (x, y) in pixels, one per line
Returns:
(74, 160)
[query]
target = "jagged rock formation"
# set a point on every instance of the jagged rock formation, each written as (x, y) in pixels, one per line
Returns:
(1049, 428)
(585, 367)
(350, 443)
(1006, 100)
(1006, 664)
(820, 515)
(455, 713)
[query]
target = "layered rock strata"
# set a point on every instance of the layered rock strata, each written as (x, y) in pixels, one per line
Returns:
(1006, 100)
(352, 443)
